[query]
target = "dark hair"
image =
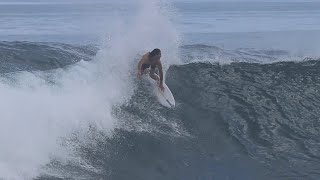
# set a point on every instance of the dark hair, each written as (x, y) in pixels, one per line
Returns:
(155, 52)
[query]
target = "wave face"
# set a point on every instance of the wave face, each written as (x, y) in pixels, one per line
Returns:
(238, 119)
(271, 111)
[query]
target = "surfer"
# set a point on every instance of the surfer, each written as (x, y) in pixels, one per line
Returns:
(152, 60)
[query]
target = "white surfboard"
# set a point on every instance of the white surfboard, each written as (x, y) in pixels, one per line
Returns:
(164, 97)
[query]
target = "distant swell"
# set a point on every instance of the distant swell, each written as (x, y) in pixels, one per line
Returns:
(28, 56)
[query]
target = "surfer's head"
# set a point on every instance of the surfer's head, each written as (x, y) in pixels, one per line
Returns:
(155, 54)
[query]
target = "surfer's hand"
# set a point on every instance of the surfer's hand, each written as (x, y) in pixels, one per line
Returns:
(161, 87)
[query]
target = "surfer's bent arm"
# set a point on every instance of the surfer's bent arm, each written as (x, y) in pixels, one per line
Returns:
(140, 66)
